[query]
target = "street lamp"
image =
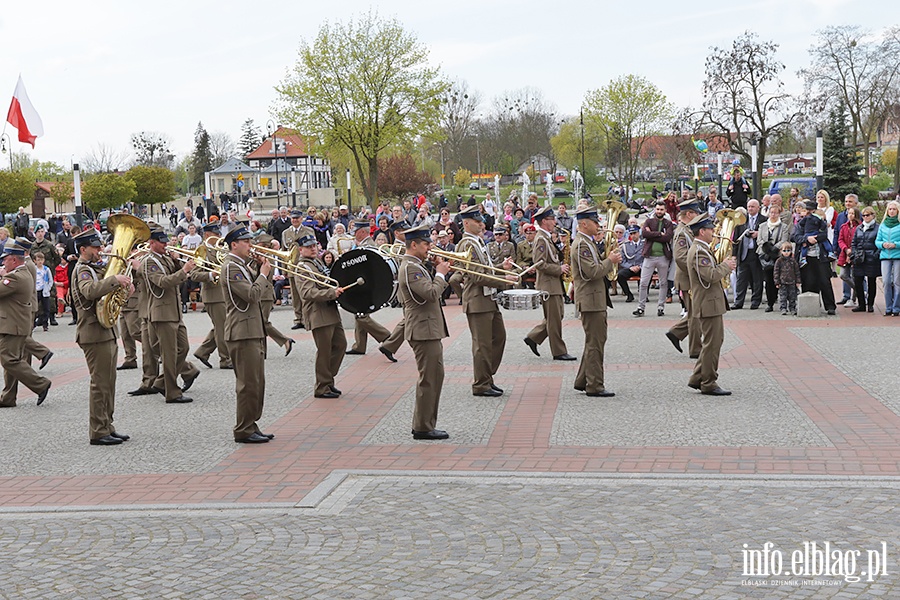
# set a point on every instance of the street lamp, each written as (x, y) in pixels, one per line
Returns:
(478, 153)
(4, 140)
(820, 160)
(273, 130)
(753, 166)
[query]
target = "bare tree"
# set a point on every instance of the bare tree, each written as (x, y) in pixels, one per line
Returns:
(458, 107)
(222, 147)
(103, 158)
(853, 66)
(743, 95)
(519, 127)
(152, 149)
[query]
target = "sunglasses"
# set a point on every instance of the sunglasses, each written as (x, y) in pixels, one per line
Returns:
(868, 214)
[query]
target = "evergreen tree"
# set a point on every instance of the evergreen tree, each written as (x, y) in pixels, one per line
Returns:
(201, 158)
(840, 164)
(250, 138)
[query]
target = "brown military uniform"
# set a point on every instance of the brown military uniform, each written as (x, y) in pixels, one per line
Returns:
(366, 325)
(213, 299)
(130, 330)
(268, 303)
(589, 277)
(163, 279)
(245, 335)
(483, 314)
(687, 326)
(149, 342)
(288, 237)
(320, 313)
(549, 279)
(500, 252)
(420, 296)
(709, 305)
(98, 344)
(17, 300)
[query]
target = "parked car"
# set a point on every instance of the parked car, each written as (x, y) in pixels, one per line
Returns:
(474, 185)
(806, 186)
(562, 193)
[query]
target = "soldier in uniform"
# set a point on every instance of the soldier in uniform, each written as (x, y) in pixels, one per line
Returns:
(390, 346)
(33, 348)
(163, 278)
(589, 273)
(245, 333)
(214, 302)
(482, 312)
(149, 343)
(96, 341)
(525, 255)
(130, 330)
(268, 302)
(501, 248)
(288, 237)
(420, 296)
(709, 304)
(366, 325)
(549, 279)
(17, 301)
(687, 326)
(320, 313)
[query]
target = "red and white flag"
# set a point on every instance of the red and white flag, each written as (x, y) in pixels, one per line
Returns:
(23, 117)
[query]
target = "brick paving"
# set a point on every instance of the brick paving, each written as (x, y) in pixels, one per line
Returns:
(808, 403)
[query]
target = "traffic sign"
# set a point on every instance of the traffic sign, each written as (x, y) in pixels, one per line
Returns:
(264, 181)
(240, 177)
(240, 183)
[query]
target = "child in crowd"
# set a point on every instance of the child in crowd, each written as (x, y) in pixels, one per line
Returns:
(43, 283)
(809, 223)
(787, 276)
(61, 279)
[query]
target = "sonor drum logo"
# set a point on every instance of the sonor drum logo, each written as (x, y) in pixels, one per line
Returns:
(357, 260)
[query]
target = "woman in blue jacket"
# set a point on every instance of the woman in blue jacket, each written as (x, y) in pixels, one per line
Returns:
(887, 241)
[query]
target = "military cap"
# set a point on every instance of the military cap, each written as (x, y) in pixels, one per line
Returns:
(690, 205)
(307, 240)
(238, 233)
(471, 212)
(420, 232)
(701, 221)
(587, 212)
(89, 237)
(544, 213)
(12, 249)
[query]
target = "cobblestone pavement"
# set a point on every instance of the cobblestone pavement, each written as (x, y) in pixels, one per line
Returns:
(390, 536)
(542, 493)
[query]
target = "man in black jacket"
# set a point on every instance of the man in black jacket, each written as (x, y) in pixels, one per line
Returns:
(738, 190)
(749, 269)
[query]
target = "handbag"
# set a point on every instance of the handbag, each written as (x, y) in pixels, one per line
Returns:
(857, 256)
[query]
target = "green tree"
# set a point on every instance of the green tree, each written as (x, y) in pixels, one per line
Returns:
(62, 191)
(107, 190)
(250, 138)
(840, 163)
(568, 149)
(627, 112)
(363, 86)
(16, 189)
(889, 159)
(201, 158)
(152, 185)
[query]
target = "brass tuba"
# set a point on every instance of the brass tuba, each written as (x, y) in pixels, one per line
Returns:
(127, 231)
(610, 243)
(727, 220)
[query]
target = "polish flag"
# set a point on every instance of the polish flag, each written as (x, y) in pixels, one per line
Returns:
(23, 117)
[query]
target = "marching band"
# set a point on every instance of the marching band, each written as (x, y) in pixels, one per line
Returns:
(137, 287)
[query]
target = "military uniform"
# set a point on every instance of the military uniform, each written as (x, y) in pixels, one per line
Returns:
(163, 278)
(687, 326)
(320, 313)
(130, 331)
(589, 273)
(213, 298)
(420, 296)
(98, 344)
(366, 325)
(500, 251)
(390, 346)
(549, 279)
(288, 237)
(149, 342)
(17, 300)
(484, 317)
(245, 335)
(709, 305)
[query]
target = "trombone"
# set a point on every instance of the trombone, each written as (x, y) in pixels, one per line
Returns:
(198, 255)
(465, 259)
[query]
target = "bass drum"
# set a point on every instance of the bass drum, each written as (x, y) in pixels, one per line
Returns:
(379, 273)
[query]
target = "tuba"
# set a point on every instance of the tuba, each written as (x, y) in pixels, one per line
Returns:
(726, 221)
(610, 244)
(127, 231)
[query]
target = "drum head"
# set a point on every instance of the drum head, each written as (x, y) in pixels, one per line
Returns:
(376, 271)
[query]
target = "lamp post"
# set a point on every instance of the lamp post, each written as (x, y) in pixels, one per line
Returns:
(582, 143)
(349, 203)
(273, 131)
(478, 153)
(753, 167)
(820, 160)
(4, 142)
(719, 173)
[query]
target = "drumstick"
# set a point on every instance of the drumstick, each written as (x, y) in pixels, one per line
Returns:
(359, 281)
(532, 267)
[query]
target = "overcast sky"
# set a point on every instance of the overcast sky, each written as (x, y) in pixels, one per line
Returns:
(100, 70)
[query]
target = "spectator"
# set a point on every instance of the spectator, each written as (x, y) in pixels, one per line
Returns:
(341, 241)
(886, 241)
(20, 223)
(282, 223)
(657, 233)
(749, 269)
(192, 239)
(563, 219)
(61, 279)
(423, 218)
(773, 233)
(225, 224)
(4, 236)
(256, 229)
(43, 284)
(632, 258)
(852, 220)
(187, 220)
(809, 238)
(320, 229)
(738, 190)
(273, 221)
(714, 205)
(866, 262)
(823, 202)
(446, 223)
(787, 274)
(531, 206)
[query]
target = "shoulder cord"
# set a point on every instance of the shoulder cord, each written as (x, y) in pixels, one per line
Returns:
(228, 285)
(706, 286)
(409, 289)
(593, 250)
(147, 277)
(78, 295)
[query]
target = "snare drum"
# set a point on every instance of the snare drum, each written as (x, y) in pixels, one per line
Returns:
(377, 270)
(521, 299)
